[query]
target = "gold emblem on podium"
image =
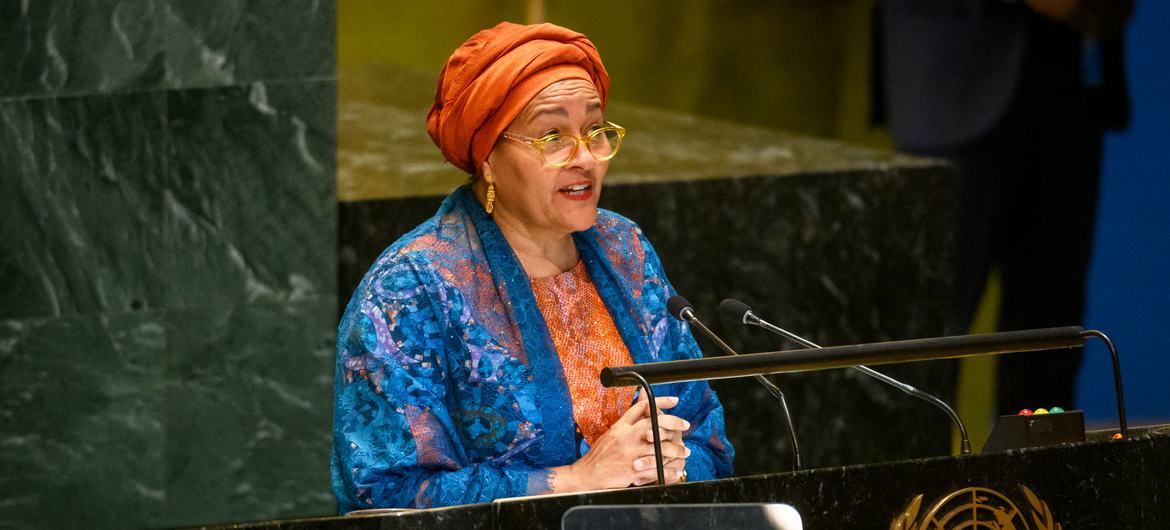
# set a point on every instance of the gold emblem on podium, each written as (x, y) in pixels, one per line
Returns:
(977, 507)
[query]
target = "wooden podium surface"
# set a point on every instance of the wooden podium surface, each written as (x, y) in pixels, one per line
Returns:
(1101, 484)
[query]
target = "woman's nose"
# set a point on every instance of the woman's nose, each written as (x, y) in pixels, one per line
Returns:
(582, 158)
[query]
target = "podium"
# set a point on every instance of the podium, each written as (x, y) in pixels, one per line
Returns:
(1097, 484)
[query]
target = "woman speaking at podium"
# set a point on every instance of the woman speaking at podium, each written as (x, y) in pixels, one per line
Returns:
(468, 357)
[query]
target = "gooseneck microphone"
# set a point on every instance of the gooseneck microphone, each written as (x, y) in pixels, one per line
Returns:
(681, 309)
(739, 312)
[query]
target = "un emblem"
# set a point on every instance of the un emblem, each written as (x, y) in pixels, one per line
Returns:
(977, 507)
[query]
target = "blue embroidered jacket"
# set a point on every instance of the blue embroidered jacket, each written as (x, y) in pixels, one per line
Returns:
(448, 388)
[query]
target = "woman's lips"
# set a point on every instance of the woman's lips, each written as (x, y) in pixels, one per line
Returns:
(577, 192)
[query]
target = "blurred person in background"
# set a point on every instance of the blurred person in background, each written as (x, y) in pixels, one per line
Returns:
(1016, 95)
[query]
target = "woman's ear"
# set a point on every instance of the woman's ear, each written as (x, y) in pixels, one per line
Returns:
(486, 172)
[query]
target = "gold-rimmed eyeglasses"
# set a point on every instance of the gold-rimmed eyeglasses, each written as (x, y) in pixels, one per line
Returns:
(558, 149)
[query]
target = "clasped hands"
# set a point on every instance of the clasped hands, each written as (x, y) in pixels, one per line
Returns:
(624, 455)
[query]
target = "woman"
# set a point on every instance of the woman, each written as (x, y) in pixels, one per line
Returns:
(468, 357)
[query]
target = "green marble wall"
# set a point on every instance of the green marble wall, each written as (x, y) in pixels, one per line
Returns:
(167, 261)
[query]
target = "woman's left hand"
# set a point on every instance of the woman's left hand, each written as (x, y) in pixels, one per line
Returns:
(674, 469)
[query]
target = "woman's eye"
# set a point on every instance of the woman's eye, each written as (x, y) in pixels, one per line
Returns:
(559, 141)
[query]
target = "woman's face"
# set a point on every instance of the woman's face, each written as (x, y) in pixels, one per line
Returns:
(547, 200)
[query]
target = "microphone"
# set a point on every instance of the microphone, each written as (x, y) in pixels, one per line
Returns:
(739, 312)
(681, 309)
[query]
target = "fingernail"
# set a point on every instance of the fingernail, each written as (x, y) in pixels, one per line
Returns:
(638, 464)
(686, 425)
(688, 453)
(674, 399)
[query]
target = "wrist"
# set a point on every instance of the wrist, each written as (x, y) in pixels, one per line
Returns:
(565, 479)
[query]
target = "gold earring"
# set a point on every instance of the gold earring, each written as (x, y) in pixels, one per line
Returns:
(491, 194)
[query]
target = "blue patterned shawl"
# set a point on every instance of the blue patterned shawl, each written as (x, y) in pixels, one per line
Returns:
(448, 388)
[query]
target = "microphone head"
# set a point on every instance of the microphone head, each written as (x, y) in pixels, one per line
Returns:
(676, 305)
(734, 310)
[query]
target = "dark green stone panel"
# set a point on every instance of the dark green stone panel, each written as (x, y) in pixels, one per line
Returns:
(252, 210)
(80, 432)
(248, 410)
(63, 47)
(81, 205)
(71, 47)
(167, 243)
(842, 257)
(240, 42)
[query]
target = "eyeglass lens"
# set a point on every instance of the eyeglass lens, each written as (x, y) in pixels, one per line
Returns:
(603, 145)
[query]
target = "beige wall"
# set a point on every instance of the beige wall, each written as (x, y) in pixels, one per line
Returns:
(795, 65)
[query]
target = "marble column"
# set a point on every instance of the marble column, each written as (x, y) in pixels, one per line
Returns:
(167, 236)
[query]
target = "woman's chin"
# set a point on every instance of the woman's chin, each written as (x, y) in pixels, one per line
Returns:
(583, 221)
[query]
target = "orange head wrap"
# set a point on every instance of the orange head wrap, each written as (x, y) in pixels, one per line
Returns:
(492, 77)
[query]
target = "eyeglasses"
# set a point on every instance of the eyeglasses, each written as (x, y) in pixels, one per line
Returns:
(558, 149)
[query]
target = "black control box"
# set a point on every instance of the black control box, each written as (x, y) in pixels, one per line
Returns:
(1037, 430)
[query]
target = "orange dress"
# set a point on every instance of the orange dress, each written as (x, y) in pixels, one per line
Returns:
(586, 341)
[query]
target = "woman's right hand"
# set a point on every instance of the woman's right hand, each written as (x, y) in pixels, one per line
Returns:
(624, 455)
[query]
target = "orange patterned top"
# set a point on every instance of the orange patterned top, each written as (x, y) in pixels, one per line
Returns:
(586, 341)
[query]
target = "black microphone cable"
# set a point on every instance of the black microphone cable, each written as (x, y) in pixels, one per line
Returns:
(681, 309)
(740, 313)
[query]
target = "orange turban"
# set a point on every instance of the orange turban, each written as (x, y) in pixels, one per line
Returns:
(492, 77)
